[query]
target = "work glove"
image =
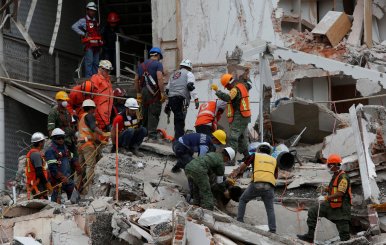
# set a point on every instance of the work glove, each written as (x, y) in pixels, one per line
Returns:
(196, 103)
(163, 98)
(139, 98)
(231, 181)
(214, 87)
(322, 198)
(49, 187)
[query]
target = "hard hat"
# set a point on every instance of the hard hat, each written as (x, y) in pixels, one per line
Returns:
(113, 17)
(226, 79)
(334, 159)
(119, 92)
(87, 86)
(105, 64)
(57, 132)
(36, 137)
(89, 103)
(132, 104)
(265, 147)
(92, 6)
(156, 50)
(231, 152)
(220, 135)
(186, 63)
(61, 95)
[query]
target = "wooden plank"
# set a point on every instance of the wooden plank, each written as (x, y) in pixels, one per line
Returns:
(368, 23)
(357, 27)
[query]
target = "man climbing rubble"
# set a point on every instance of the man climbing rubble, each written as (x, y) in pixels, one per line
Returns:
(131, 133)
(187, 145)
(36, 172)
(179, 90)
(238, 112)
(88, 143)
(149, 84)
(104, 90)
(209, 115)
(59, 117)
(264, 175)
(336, 206)
(78, 94)
(88, 29)
(198, 172)
(59, 162)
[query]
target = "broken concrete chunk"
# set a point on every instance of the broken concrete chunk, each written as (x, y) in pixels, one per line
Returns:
(142, 232)
(367, 87)
(340, 142)
(197, 234)
(158, 148)
(222, 240)
(154, 217)
(67, 232)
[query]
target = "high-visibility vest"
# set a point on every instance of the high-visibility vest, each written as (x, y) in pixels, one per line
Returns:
(86, 135)
(206, 114)
(333, 188)
(30, 171)
(264, 169)
(130, 123)
(93, 38)
(245, 109)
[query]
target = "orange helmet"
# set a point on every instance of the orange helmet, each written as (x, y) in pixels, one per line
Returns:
(87, 86)
(226, 79)
(113, 17)
(334, 159)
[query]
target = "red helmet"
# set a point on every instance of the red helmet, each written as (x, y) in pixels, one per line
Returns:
(334, 159)
(119, 92)
(113, 17)
(87, 86)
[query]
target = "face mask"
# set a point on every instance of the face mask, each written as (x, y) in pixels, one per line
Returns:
(64, 103)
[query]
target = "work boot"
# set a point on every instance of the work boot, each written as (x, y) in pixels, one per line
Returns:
(306, 237)
(125, 151)
(136, 152)
(176, 169)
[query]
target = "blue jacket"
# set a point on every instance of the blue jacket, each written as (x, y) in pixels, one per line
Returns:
(59, 160)
(196, 142)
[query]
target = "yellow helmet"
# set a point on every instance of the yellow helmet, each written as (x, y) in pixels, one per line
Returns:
(61, 95)
(220, 135)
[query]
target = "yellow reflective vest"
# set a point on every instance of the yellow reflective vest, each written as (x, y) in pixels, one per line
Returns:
(264, 169)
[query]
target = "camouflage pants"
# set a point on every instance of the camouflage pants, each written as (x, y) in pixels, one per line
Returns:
(201, 191)
(238, 139)
(151, 111)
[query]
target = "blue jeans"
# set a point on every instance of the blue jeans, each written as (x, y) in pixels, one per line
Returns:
(132, 138)
(266, 192)
(91, 61)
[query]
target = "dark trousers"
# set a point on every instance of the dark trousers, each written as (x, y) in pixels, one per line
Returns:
(204, 129)
(178, 108)
(132, 138)
(184, 155)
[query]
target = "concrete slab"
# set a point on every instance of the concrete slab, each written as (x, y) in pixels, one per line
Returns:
(340, 142)
(165, 150)
(67, 232)
(197, 234)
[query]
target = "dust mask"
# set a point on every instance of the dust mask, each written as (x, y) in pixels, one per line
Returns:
(64, 104)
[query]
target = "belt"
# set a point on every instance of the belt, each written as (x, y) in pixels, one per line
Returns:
(263, 185)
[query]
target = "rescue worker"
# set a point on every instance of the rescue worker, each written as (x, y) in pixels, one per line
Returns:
(88, 29)
(209, 115)
(78, 94)
(59, 117)
(104, 92)
(131, 132)
(149, 84)
(88, 142)
(198, 172)
(264, 175)
(238, 112)
(59, 162)
(36, 171)
(188, 144)
(118, 104)
(179, 90)
(109, 34)
(336, 206)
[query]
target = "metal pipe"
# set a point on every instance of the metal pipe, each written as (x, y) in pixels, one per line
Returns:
(2, 114)
(261, 113)
(117, 59)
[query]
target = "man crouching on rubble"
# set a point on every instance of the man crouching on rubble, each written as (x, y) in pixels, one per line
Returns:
(336, 206)
(198, 172)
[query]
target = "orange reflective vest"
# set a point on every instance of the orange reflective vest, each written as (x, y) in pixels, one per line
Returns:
(103, 101)
(333, 188)
(86, 135)
(206, 114)
(245, 109)
(30, 171)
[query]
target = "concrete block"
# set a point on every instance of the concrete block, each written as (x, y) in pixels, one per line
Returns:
(341, 142)
(67, 232)
(197, 234)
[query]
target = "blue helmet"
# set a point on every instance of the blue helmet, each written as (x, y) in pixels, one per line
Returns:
(157, 51)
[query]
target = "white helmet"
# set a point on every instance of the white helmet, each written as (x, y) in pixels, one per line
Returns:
(92, 6)
(265, 145)
(57, 132)
(132, 104)
(186, 63)
(89, 103)
(36, 137)
(105, 64)
(231, 152)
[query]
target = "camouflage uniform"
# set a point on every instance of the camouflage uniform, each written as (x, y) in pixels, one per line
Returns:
(198, 172)
(237, 138)
(340, 216)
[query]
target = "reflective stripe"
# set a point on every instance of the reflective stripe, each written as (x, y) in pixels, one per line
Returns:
(52, 161)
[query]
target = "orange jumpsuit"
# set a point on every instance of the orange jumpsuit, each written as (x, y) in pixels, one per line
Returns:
(104, 104)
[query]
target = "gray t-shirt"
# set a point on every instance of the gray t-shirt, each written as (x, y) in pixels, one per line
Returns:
(36, 159)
